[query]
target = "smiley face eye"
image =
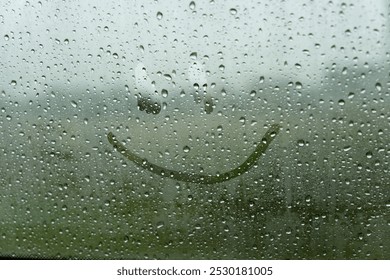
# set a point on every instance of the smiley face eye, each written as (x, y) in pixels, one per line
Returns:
(148, 105)
(148, 97)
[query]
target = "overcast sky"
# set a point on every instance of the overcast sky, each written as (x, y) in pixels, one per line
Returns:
(55, 42)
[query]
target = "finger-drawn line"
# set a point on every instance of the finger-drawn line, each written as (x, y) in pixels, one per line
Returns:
(268, 137)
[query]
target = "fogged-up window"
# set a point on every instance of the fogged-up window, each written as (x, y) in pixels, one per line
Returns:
(195, 129)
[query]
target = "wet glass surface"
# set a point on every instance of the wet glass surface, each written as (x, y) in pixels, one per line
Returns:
(195, 129)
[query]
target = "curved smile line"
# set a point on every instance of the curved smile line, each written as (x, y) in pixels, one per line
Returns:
(268, 137)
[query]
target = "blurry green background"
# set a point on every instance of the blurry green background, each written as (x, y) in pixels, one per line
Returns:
(320, 70)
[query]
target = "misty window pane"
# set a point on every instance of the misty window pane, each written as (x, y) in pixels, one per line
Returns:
(195, 129)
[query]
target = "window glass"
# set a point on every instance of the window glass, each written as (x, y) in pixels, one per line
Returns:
(195, 129)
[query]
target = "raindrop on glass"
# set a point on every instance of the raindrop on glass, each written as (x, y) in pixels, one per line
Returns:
(194, 55)
(233, 11)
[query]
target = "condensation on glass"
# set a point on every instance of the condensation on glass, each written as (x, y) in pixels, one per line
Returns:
(195, 129)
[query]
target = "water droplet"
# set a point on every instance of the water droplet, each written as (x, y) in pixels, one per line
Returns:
(378, 86)
(159, 15)
(301, 143)
(298, 66)
(194, 55)
(164, 93)
(347, 148)
(369, 154)
(13, 83)
(261, 80)
(192, 5)
(341, 102)
(298, 85)
(74, 103)
(160, 224)
(186, 149)
(351, 95)
(6, 37)
(233, 11)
